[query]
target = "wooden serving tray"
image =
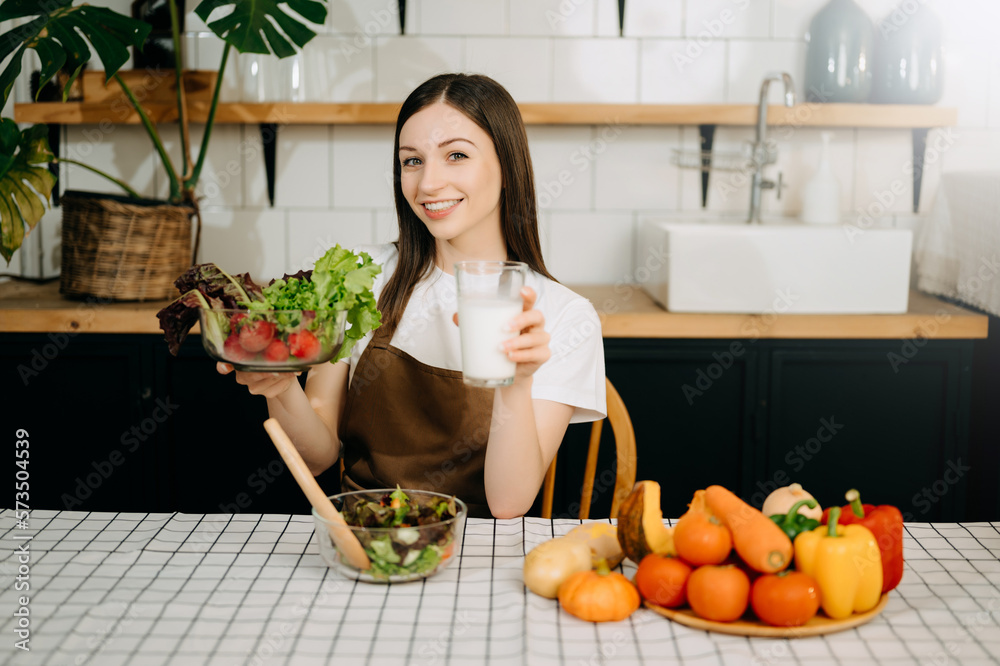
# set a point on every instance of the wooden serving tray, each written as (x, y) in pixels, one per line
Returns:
(817, 626)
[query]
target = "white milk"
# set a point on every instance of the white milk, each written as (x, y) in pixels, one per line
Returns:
(481, 326)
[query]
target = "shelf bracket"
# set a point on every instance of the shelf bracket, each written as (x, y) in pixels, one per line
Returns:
(707, 133)
(269, 137)
(919, 150)
(55, 141)
(402, 16)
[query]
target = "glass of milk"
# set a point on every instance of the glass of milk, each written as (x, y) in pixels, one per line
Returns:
(489, 296)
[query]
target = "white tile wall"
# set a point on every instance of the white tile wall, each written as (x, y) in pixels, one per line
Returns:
(654, 18)
(364, 20)
(750, 61)
(303, 167)
(312, 232)
(462, 17)
(994, 95)
(681, 71)
(799, 153)
(221, 181)
(122, 151)
(334, 182)
(338, 69)
(506, 59)
(576, 18)
(792, 17)
(632, 167)
(708, 20)
(969, 150)
(362, 166)
(564, 176)
(596, 70)
(728, 191)
(607, 19)
(605, 259)
(883, 168)
(403, 63)
(251, 241)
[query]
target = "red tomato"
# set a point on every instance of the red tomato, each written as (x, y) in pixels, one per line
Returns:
(718, 593)
(663, 580)
(786, 599)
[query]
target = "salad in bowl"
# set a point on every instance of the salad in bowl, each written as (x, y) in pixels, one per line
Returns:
(295, 321)
(407, 534)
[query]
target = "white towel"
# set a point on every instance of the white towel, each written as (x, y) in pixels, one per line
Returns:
(957, 252)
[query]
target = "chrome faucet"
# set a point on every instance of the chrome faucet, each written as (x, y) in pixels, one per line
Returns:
(761, 153)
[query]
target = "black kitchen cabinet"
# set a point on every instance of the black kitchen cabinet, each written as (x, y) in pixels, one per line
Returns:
(887, 418)
(116, 423)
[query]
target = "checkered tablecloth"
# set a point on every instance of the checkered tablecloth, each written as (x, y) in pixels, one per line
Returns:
(116, 588)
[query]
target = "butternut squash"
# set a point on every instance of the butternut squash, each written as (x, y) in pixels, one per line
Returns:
(552, 562)
(640, 524)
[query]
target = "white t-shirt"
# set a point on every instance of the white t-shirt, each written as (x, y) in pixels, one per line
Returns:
(574, 375)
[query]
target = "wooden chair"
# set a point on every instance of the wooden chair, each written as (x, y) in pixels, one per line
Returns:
(621, 425)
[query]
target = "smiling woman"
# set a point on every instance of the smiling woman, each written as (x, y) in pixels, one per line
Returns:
(399, 412)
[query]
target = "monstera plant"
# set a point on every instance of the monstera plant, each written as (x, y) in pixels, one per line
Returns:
(62, 34)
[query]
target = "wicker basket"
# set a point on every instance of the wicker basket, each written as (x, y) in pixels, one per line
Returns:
(123, 249)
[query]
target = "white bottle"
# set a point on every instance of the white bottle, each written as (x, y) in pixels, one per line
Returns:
(821, 197)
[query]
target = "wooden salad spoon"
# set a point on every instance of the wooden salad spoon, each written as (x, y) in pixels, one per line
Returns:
(342, 535)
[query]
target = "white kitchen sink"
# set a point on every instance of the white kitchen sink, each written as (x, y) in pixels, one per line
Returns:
(774, 268)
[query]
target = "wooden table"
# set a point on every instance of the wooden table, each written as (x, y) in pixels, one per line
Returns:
(138, 589)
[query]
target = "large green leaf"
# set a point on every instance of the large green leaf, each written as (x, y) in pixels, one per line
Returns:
(25, 187)
(59, 33)
(252, 25)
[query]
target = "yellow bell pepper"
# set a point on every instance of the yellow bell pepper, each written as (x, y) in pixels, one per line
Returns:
(845, 561)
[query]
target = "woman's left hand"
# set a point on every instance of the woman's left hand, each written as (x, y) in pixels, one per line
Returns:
(530, 349)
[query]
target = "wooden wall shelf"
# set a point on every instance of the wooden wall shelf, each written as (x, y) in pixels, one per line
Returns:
(113, 110)
(802, 115)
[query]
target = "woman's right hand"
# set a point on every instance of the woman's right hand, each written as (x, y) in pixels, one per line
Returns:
(267, 384)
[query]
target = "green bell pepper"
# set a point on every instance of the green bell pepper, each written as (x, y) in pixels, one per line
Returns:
(794, 523)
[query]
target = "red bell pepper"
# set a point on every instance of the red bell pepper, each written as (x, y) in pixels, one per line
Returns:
(886, 523)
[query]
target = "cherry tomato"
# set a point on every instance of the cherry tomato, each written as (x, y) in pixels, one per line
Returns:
(786, 599)
(663, 580)
(718, 593)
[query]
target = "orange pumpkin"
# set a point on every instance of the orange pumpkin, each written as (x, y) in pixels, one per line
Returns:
(699, 536)
(599, 596)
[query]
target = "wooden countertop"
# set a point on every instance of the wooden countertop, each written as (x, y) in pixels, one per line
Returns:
(625, 310)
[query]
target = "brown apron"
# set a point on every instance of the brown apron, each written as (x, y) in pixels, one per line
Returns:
(414, 425)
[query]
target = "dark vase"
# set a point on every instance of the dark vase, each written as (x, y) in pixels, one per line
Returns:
(838, 58)
(908, 66)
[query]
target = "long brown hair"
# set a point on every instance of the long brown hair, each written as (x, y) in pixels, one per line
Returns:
(489, 105)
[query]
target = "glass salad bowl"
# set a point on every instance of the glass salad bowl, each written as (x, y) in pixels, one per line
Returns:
(407, 534)
(272, 340)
